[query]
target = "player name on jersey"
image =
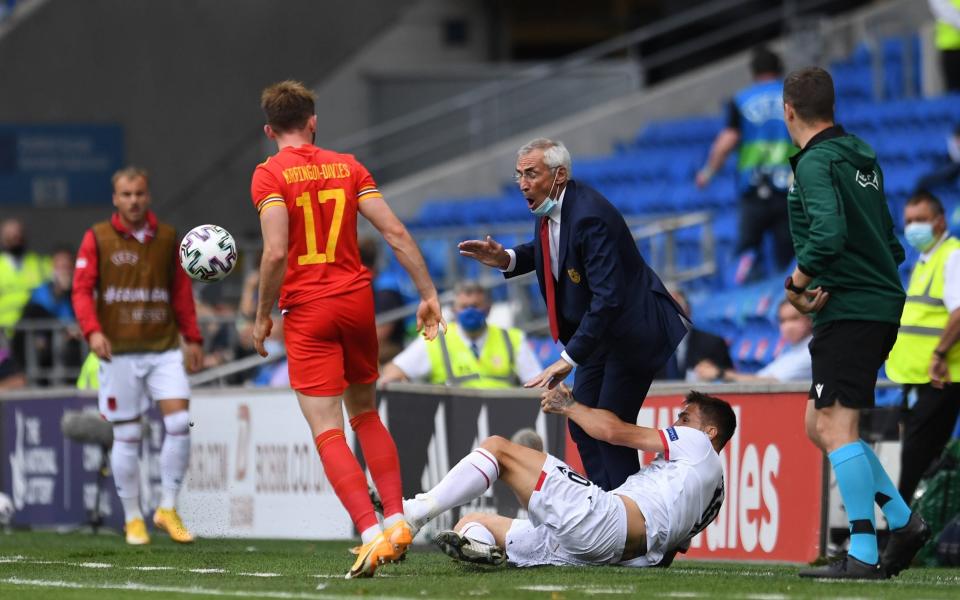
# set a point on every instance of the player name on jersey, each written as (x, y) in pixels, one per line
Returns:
(316, 172)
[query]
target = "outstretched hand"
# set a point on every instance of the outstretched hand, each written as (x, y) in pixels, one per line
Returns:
(430, 318)
(551, 376)
(488, 251)
(261, 331)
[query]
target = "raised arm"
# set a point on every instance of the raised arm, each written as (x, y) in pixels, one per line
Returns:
(601, 424)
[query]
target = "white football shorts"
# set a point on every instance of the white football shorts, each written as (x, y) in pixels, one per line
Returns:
(130, 381)
(571, 522)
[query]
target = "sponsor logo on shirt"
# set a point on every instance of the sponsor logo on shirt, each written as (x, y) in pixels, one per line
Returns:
(124, 294)
(672, 434)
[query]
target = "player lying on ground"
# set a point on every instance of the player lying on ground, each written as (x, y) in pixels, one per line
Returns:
(642, 523)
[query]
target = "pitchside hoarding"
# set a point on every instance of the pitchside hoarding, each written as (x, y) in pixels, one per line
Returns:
(254, 472)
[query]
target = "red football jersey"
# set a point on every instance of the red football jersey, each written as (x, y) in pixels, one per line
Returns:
(321, 191)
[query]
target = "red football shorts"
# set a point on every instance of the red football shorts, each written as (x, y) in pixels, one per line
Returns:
(331, 343)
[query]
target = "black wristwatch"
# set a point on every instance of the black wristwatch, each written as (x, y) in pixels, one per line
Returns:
(940, 355)
(788, 284)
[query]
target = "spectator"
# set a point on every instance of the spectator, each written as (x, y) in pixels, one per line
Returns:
(20, 272)
(946, 173)
(755, 127)
(947, 39)
(696, 347)
(925, 357)
(390, 336)
(11, 375)
(472, 354)
(51, 300)
(793, 362)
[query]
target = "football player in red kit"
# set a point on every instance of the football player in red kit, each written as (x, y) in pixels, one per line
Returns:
(308, 199)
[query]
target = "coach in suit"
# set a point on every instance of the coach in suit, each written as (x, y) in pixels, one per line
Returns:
(614, 316)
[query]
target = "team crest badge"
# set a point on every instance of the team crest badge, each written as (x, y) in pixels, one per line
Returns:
(573, 275)
(870, 179)
(124, 257)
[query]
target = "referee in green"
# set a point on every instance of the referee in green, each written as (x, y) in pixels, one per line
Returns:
(847, 257)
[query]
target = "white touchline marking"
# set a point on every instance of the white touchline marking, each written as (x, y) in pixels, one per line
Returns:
(149, 568)
(205, 571)
(95, 565)
(685, 595)
(197, 591)
(544, 588)
(766, 597)
(608, 590)
(260, 574)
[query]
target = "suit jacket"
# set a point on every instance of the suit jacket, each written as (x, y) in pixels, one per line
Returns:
(606, 294)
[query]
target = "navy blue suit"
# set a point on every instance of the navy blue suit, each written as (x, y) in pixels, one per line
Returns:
(616, 319)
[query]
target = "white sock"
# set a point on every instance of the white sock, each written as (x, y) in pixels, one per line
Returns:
(174, 456)
(478, 533)
(392, 520)
(466, 480)
(125, 464)
(367, 535)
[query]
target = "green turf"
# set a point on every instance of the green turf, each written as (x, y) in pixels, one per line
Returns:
(49, 565)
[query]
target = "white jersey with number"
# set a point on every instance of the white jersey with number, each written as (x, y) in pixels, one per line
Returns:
(679, 493)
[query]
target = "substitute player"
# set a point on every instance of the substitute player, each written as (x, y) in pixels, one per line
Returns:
(308, 199)
(133, 303)
(642, 523)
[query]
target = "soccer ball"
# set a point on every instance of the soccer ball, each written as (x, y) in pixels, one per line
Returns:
(6, 509)
(208, 253)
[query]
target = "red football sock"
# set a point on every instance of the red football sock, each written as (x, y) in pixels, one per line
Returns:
(344, 473)
(380, 452)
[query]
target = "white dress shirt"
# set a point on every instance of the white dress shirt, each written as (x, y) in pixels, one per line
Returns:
(414, 361)
(553, 229)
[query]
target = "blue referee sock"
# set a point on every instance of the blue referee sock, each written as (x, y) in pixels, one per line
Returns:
(889, 500)
(855, 479)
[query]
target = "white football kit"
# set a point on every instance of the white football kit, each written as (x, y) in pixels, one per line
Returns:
(574, 522)
(128, 382)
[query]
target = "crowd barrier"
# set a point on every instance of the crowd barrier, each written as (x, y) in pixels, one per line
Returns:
(254, 471)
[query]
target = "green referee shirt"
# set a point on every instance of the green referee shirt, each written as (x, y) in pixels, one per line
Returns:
(842, 229)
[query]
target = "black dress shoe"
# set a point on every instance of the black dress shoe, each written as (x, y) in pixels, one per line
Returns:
(903, 545)
(847, 567)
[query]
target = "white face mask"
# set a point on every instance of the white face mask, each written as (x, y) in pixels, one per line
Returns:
(548, 204)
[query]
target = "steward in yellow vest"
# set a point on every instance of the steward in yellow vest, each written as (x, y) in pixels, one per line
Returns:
(947, 40)
(20, 273)
(926, 358)
(453, 362)
(472, 353)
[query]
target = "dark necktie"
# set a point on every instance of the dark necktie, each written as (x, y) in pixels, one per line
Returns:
(548, 279)
(475, 348)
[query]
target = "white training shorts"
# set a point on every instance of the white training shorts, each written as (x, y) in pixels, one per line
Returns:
(571, 522)
(128, 382)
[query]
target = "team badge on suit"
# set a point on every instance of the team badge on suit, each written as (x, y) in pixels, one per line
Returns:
(574, 275)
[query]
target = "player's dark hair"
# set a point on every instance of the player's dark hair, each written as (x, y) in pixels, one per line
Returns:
(715, 412)
(927, 196)
(765, 62)
(287, 105)
(810, 92)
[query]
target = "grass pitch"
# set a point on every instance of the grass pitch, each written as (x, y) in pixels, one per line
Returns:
(82, 566)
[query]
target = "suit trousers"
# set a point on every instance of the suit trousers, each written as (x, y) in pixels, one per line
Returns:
(612, 380)
(927, 427)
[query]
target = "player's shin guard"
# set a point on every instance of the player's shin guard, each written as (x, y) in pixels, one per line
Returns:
(174, 456)
(855, 480)
(125, 464)
(886, 495)
(380, 453)
(344, 474)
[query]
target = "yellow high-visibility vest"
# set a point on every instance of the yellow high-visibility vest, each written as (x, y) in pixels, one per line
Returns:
(453, 363)
(924, 318)
(16, 284)
(89, 378)
(946, 36)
